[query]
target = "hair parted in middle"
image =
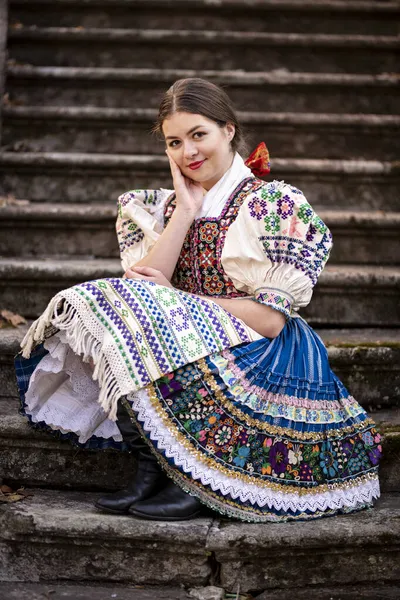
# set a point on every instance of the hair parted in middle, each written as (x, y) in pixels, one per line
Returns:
(199, 96)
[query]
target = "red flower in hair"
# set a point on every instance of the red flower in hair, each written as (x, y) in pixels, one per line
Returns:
(258, 161)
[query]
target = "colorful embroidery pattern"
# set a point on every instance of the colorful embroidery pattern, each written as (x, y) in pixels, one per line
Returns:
(269, 469)
(274, 299)
(202, 411)
(321, 434)
(294, 234)
(150, 330)
(199, 269)
(132, 235)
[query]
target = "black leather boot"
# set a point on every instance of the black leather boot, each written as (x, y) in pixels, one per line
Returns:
(170, 504)
(149, 478)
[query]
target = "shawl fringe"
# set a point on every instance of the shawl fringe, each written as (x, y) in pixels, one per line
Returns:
(63, 316)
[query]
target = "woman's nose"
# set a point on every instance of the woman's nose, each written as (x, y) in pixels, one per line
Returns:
(189, 149)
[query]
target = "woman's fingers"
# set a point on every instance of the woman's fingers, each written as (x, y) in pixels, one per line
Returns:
(131, 274)
(147, 271)
(177, 175)
(173, 165)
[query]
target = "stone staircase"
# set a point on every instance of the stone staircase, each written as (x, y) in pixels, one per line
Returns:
(317, 81)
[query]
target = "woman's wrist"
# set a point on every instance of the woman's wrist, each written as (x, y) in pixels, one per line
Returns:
(184, 215)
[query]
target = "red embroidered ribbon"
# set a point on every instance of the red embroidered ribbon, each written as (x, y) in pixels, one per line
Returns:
(258, 161)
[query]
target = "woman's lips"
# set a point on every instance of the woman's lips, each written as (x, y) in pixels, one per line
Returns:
(196, 165)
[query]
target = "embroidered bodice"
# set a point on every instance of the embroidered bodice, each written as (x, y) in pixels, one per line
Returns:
(268, 243)
(199, 269)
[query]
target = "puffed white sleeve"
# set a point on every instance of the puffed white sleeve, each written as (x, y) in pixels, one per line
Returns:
(140, 222)
(277, 247)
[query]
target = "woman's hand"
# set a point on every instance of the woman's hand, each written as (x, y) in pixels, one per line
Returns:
(189, 193)
(147, 274)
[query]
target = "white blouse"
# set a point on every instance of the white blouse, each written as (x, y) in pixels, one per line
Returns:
(274, 251)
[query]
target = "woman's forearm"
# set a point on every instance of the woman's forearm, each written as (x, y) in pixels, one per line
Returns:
(165, 253)
(267, 321)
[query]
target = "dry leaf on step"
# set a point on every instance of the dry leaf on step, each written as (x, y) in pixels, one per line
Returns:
(8, 318)
(7, 495)
(10, 200)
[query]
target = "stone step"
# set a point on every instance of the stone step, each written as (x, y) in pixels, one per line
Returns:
(60, 591)
(59, 535)
(134, 48)
(31, 457)
(369, 294)
(251, 91)
(79, 177)
(127, 131)
(85, 230)
(88, 231)
(375, 591)
(293, 16)
(367, 360)
(140, 553)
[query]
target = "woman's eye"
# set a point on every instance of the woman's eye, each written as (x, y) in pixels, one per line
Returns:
(172, 144)
(200, 133)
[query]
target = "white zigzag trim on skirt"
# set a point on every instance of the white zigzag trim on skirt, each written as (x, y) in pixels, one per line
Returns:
(228, 485)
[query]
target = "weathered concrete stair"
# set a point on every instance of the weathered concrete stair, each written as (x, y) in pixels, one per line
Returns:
(126, 131)
(330, 16)
(84, 177)
(61, 532)
(60, 591)
(125, 88)
(369, 295)
(33, 458)
(88, 231)
(107, 591)
(99, 47)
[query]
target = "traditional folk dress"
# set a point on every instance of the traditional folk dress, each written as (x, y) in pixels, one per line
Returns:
(257, 429)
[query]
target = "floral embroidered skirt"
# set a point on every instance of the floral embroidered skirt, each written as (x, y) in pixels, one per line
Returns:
(258, 430)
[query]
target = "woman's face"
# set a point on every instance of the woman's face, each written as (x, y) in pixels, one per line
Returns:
(199, 146)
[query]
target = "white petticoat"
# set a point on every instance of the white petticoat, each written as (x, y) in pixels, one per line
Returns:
(62, 393)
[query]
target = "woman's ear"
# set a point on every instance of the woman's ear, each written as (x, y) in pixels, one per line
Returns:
(230, 130)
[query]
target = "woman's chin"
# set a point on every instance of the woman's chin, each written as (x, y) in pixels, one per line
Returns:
(197, 177)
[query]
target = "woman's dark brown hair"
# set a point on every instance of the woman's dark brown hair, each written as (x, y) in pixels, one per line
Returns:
(199, 96)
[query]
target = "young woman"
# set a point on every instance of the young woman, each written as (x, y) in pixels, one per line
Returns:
(197, 359)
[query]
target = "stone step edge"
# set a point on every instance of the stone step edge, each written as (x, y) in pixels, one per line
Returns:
(347, 276)
(210, 37)
(73, 591)
(143, 115)
(76, 591)
(81, 160)
(278, 77)
(368, 6)
(39, 518)
(93, 213)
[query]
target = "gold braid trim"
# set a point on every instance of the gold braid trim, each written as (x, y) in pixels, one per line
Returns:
(273, 429)
(251, 514)
(213, 464)
(225, 506)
